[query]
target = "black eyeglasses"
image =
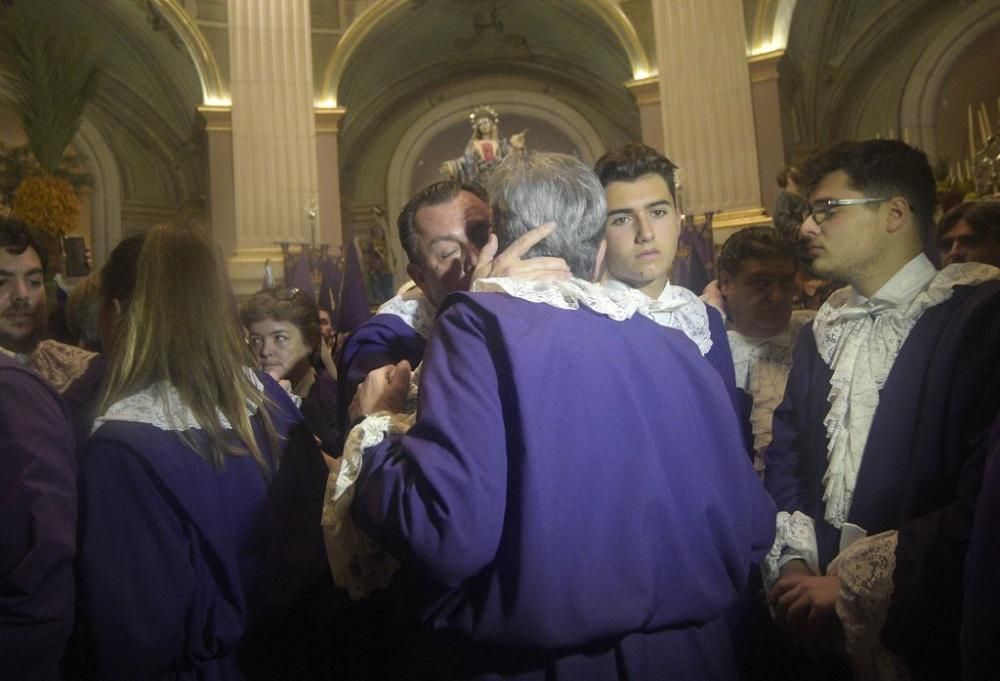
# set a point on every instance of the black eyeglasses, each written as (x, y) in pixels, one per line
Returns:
(285, 293)
(823, 209)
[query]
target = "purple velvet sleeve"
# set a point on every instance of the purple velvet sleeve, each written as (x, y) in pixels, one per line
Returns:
(37, 542)
(383, 339)
(436, 497)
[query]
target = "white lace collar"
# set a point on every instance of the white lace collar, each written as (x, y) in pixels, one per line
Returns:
(414, 308)
(860, 342)
(678, 308)
(618, 303)
(160, 405)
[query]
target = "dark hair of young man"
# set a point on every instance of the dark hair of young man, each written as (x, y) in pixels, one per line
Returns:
(431, 195)
(635, 160)
(16, 237)
(879, 169)
(759, 243)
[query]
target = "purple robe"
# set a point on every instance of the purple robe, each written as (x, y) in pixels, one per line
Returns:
(383, 339)
(720, 356)
(921, 469)
(320, 409)
(168, 549)
(82, 397)
(981, 615)
(573, 501)
(38, 537)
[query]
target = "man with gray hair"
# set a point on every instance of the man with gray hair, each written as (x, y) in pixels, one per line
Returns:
(554, 512)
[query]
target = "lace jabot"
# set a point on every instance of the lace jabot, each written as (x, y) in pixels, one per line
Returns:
(762, 366)
(358, 563)
(161, 406)
(616, 301)
(414, 308)
(859, 339)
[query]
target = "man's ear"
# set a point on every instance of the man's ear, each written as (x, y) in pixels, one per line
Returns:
(899, 214)
(416, 273)
(602, 250)
(725, 283)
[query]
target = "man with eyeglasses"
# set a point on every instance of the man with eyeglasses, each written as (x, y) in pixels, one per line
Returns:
(879, 443)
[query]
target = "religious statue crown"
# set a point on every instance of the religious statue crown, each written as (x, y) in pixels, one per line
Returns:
(483, 112)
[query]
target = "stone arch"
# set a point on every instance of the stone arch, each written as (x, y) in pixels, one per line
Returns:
(213, 90)
(106, 198)
(356, 34)
(449, 112)
(918, 105)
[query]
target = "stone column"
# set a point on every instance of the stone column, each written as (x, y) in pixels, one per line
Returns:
(218, 124)
(274, 135)
(708, 126)
(646, 93)
(328, 167)
(767, 116)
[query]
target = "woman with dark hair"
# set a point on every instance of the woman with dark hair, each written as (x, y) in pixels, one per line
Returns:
(285, 337)
(174, 480)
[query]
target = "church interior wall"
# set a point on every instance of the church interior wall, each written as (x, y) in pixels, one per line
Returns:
(850, 69)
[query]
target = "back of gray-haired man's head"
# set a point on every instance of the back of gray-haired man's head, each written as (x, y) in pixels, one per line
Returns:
(529, 189)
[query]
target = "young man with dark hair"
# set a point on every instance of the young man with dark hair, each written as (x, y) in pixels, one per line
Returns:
(880, 440)
(641, 232)
(74, 372)
(37, 476)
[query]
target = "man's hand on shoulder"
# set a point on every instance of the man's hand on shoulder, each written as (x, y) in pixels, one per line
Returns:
(511, 262)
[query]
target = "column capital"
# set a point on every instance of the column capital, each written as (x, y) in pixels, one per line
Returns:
(645, 90)
(216, 118)
(765, 66)
(328, 119)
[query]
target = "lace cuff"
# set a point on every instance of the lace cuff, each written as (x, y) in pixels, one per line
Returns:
(795, 538)
(358, 564)
(865, 570)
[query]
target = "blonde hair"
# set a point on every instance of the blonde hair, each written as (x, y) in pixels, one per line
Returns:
(181, 327)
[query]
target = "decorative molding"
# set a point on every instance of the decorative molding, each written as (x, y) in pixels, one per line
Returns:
(645, 91)
(328, 119)
(217, 118)
(764, 67)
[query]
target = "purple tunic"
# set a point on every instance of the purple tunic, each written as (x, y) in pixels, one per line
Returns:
(168, 549)
(38, 538)
(319, 408)
(921, 469)
(563, 511)
(981, 616)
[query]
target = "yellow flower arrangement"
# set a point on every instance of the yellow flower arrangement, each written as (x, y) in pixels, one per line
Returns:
(48, 204)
